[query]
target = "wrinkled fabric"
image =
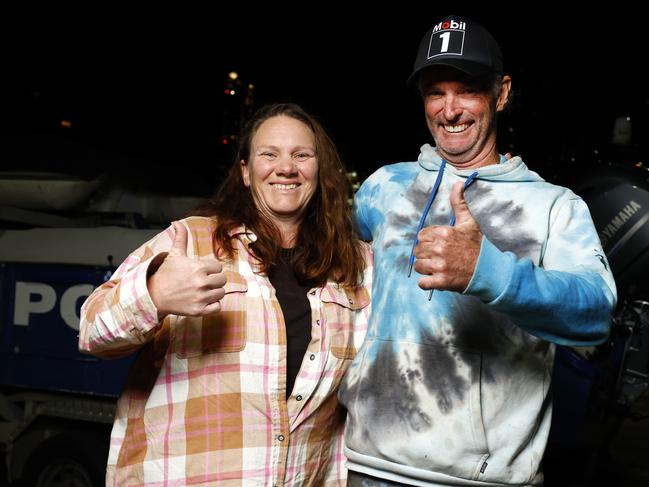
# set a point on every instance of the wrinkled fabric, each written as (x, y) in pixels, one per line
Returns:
(205, 402)
(455, 390)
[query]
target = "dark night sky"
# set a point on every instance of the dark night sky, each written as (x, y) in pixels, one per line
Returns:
(146, 91)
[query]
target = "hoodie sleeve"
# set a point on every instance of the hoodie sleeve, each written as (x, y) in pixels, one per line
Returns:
(569, 298)
(361, 200)
(365, 211)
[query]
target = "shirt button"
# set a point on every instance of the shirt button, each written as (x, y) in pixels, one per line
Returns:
(312, 357)
(280, 438)
(317, 322)
(351, 301)
(312, 293)
(298, 397)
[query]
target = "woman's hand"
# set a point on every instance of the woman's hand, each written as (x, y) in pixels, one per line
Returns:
(184, 286)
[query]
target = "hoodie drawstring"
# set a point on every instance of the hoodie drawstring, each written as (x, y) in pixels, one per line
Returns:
(469, 181)
(431, 198)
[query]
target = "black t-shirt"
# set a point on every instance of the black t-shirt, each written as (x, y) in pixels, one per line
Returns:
(292, 297)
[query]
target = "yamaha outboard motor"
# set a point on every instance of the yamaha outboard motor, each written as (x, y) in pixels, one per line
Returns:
(598, 393)
(618, 198)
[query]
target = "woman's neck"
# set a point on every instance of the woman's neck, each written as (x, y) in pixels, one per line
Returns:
(288, 233)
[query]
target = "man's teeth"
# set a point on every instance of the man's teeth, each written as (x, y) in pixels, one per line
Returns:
(456, 128)
(285, 186)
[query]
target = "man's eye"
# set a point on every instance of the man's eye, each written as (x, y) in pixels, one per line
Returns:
(303, 156)
(268, 155)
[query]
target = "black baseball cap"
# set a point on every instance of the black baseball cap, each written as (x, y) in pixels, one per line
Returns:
(460, 43)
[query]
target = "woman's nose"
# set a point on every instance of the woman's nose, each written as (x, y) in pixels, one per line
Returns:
(286, 165)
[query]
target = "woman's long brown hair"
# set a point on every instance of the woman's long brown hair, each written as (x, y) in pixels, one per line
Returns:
(326, 245)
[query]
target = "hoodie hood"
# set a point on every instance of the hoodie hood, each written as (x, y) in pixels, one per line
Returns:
(513, 169)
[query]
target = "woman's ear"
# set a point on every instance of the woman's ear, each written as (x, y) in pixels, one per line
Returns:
(245, 173)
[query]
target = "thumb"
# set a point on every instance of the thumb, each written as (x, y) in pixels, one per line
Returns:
(179, 246)
(459, 204)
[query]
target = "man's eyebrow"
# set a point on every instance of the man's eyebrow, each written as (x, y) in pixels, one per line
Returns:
(431, 88)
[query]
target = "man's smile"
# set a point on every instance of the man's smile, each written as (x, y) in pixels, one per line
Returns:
(456, 128)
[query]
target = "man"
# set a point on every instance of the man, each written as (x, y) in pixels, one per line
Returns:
(451, 386)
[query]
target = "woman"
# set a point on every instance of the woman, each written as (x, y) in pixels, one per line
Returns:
(247, 317)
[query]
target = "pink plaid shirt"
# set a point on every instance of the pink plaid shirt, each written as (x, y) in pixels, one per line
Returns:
(205, 402)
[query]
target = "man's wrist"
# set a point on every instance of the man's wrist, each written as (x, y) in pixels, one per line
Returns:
(492, 272)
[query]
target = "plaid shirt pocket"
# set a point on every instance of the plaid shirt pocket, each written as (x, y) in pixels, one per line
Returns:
(224, 331)
(339, 304)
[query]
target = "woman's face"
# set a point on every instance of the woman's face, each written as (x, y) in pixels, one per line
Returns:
(283, 168)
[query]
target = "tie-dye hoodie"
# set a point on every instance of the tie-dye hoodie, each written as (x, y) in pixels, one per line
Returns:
(455, 390)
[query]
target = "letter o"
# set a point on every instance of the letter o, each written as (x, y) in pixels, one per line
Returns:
(69, 301)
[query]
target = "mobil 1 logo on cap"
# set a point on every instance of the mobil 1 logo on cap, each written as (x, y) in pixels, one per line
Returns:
(447, 38)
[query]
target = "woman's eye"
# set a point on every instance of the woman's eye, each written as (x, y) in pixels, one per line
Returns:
(303, 156)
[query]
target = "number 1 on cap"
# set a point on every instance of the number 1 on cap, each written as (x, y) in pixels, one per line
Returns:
(446, 36)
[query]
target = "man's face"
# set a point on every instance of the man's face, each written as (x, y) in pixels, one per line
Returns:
(461, 115)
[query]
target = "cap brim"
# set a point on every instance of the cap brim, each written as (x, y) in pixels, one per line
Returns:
(468, 67)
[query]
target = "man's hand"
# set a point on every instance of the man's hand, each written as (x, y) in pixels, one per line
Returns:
(446, 255)
(183, 286)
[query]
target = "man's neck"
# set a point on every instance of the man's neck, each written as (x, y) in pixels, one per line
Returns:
(475, 163)
(487, 157)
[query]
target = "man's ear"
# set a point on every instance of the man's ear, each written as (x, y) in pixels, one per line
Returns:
(505, 88)
(245, 173)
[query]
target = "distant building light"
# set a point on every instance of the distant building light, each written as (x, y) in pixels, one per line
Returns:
(227, 92)
(66, 124)
(233, 75)
(232, 92)
(251, 86)
(225, 141)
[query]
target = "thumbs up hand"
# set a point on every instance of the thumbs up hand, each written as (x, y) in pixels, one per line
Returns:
(184, 286)
(447, 255)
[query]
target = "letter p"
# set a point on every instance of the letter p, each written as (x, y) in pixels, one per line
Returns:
(24, 306)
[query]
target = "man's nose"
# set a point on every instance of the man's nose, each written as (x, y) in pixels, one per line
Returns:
(452, 107)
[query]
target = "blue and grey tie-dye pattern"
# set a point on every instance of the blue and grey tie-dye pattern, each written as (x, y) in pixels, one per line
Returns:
(455, 390)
